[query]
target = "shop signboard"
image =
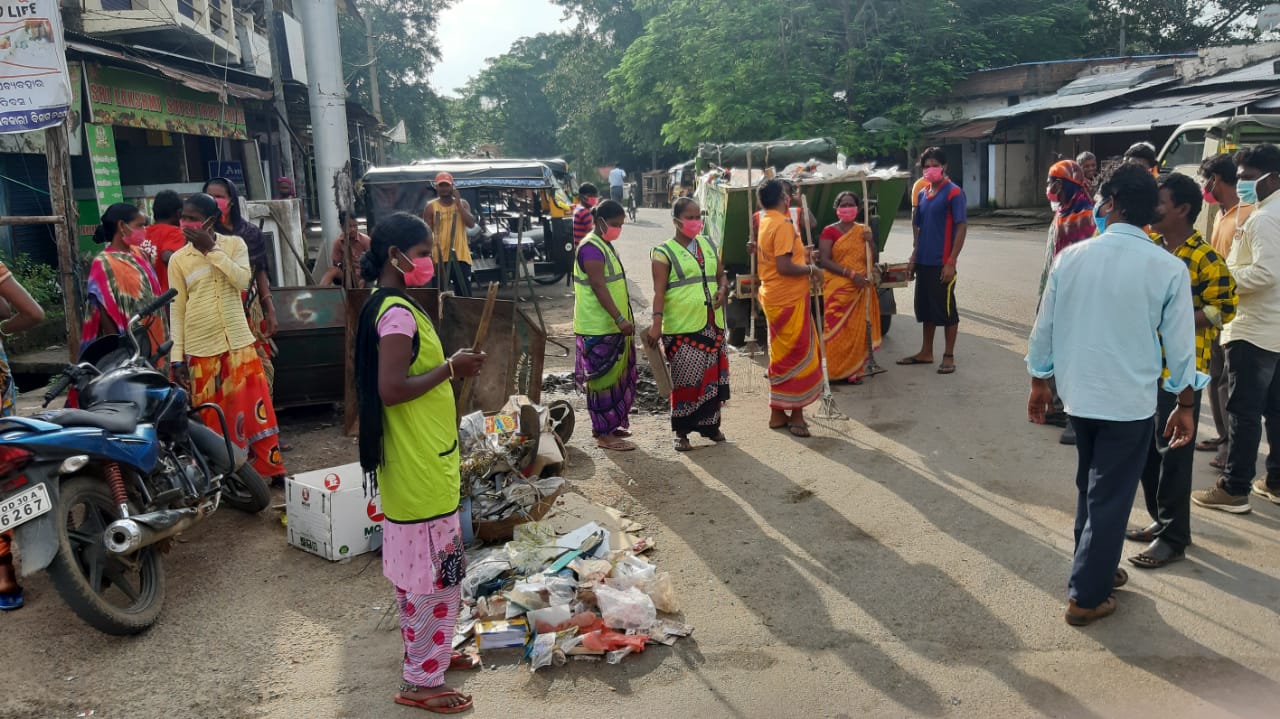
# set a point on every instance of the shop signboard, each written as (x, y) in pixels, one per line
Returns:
(35, 91)
(106, 170)
(90, 217)
(131, 99)
(233, 171)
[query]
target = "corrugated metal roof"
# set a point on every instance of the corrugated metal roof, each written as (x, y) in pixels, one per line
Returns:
(1163, 111)
(1085, 92)
(1261, 72)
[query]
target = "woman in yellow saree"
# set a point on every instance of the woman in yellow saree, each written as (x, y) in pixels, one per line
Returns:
(845, 254)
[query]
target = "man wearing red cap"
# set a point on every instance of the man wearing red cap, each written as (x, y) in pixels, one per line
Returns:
(449, 218)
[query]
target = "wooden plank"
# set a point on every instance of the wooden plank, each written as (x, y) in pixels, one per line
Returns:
(9, 221)
(58, 155)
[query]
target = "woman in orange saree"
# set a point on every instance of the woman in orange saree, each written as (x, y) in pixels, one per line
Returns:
(845, 255)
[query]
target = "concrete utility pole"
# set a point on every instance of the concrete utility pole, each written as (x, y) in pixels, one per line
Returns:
(374, 94)
(328, 98)
(284, 147)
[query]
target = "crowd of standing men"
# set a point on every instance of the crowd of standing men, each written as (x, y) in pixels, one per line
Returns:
(1138, 314)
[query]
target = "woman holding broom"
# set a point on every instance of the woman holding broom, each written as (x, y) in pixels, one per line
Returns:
(795, 362)
(409, 453)
(690, 288)
(602, 321)
(845, 253)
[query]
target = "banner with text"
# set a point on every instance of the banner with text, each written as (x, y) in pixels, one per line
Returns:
(106, 169)
(35, 91)
(132, 99)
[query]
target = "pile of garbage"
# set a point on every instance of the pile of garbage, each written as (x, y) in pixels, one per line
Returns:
(567, 588)
(648, 400)
(511, 465)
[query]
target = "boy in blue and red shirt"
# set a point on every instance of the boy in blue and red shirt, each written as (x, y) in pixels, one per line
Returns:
(939, 224)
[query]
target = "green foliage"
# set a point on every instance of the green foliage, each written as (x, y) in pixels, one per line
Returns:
(405, 46)
(1159, 26)
(40, 281)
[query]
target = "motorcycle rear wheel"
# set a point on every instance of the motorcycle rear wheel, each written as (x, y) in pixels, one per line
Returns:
(113, 594)
(246, 490)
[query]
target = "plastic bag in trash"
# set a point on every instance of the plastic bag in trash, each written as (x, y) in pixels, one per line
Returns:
(630, 571)
(482, 572)
(663, 593)
(533, 544)
(544, 646)
(471, 432)
(630, 609)
(540, 592)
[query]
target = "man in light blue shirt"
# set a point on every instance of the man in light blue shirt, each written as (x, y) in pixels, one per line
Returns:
(1109, 305)
(617, 177)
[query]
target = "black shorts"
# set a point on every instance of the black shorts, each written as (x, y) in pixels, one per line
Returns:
(935, 302)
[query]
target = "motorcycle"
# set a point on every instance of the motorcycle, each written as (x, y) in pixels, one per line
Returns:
(95, 495)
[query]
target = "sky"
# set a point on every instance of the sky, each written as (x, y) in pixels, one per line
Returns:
(473, 30)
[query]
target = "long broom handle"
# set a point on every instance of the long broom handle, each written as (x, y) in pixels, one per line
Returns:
(482, 334)
(818, 310)
(755, 278)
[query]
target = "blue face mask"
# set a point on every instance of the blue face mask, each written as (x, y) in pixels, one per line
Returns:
(1099, 220)
(1248, 189)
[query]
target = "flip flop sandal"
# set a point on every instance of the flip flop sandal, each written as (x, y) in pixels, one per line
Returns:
(12, 601)
(799, 430)
(1122, 578)
(681, 444)
(617, 445)
(784, 425)
(913, 360)
(854, 381)
(945, 368)
(423, 703)
(1084, 617)
(1146, 561)
(1210, 445)
(1146, 534)
(1218, 463)
(719, 438)
(462, 662)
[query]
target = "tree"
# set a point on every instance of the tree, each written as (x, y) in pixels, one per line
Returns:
(1160, 26)
(405, 47)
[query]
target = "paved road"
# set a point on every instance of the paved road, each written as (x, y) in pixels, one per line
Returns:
(911, 561)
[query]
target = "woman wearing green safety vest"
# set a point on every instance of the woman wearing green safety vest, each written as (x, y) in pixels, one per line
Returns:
(606, 364)
(689, 291)
(409, 453)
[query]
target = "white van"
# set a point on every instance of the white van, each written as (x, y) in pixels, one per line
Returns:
(1194, 142)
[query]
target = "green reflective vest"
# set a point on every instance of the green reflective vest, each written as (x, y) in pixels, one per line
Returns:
(589, 316)
(419, 475)
(691, 288)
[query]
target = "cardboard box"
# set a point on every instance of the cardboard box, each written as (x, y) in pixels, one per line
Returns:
(330, 516)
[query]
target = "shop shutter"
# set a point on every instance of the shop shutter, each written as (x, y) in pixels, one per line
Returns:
(18, 199)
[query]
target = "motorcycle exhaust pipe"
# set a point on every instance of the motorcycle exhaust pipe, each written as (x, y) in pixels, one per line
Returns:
(125, 536)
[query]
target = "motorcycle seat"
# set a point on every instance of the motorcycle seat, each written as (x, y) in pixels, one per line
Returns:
(115, 417)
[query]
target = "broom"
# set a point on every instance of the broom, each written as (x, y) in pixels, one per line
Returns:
(753, 343)
(873, 367)
(482, 334)
(828, 408)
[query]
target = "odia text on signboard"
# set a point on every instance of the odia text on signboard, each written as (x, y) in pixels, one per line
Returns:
(34, 89)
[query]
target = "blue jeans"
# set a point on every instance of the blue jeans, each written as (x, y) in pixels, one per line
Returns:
(1253, 393)
(1112, 456)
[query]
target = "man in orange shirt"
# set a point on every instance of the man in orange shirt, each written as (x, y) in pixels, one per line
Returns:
(795, 363)
(164, 236)
(1219, 173)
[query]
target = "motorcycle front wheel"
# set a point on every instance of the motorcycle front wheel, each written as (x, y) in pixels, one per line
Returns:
(114, 594)
(246, 490)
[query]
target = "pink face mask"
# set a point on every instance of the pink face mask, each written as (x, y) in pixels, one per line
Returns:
(224, 205)
(136, 237)
(590, 201)
(847, 213)
(933, 174)
(420, 276)
(190, 225)
(691, 228)
(1208, 196)
(611, 233)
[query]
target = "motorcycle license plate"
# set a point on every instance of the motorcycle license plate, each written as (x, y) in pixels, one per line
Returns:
(24, 507)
